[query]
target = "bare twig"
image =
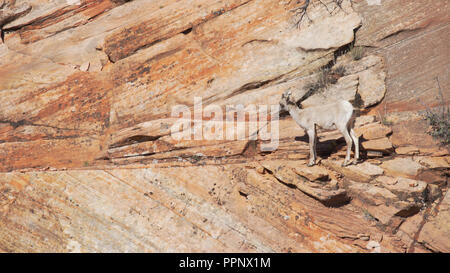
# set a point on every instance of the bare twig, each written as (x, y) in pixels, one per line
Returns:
(323, 4)
(445, 108)
(301, 11)
(439, 122)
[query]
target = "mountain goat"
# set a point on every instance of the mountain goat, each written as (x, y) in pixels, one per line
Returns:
(336, 115)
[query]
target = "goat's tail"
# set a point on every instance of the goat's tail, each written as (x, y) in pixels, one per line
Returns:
(357, 102)
(358, 106)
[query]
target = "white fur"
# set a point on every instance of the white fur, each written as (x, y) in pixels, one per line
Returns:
(336, 115)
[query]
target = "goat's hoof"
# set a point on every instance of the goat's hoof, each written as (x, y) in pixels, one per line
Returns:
(310, 164)
(345, 164)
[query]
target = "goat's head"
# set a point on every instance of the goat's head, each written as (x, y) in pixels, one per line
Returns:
(286, 99)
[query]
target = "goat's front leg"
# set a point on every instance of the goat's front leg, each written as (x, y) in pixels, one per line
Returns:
(312, 146)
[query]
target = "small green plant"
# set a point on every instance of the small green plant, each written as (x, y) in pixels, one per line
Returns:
(324, 78)
(386, 122)
(339, 71)
(439, 119)
(86, 164)
(357, 52)
(317, 86)
(368, 216)
(383, 119)
(440, 126)
(197, 157)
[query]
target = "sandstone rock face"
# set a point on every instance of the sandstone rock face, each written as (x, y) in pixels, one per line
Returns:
(405, 188)
(371, 77)
(410, 35)
(92, 160)
(364, 172)
(372, 88)
(439, 226)
(402, 167)
(328, 194)
(381, 145)
(409, 150)
(374, 131)
(314, 173)
(344, 89)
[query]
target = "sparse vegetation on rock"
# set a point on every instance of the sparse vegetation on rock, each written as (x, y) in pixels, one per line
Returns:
(439, 119)
(325, 78)
(357, 52)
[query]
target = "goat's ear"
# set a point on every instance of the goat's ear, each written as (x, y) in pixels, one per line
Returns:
(289, 96)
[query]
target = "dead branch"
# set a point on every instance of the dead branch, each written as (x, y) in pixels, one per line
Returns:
(300, 12)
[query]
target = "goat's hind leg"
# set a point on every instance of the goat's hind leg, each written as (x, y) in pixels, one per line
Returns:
(348, 140)
(356, 141)
(312, 146)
